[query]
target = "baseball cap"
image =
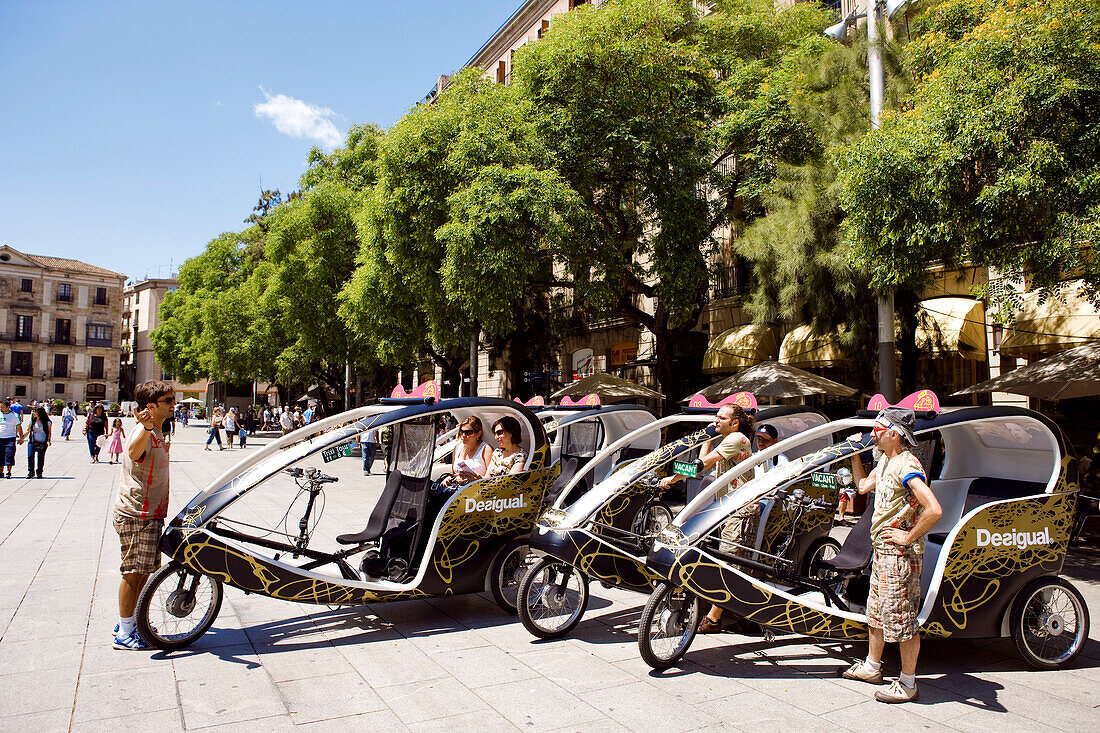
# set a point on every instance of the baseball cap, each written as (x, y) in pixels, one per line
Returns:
(769, 430)
(901, 419)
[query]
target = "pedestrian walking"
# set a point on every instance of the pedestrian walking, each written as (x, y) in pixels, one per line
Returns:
(230, 423)
(286, 421)
(267, 419)
(95, 430)
(114, 441)
(68, 417)
(40, 434)
(905, 509)
(368, 443)
(11, 430)
(141, 505)
(215, 429)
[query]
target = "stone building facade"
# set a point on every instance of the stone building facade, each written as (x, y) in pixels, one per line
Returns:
(60, 320)
(140, 315)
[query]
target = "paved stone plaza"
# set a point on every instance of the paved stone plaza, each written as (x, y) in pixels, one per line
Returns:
(447, 664)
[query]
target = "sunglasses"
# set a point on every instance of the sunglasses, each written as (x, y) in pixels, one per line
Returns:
(467, 432)
(498, 432)
(167, 400)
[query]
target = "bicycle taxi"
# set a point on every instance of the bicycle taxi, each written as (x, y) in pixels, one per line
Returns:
(391, 541)
(604, 533)
(1007, 481)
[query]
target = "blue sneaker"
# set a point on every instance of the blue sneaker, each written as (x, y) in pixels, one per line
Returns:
(133, 642)
(115, 632)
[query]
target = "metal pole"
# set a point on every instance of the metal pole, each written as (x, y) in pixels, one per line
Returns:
(887, 372)
(473, 361)
(347, 384)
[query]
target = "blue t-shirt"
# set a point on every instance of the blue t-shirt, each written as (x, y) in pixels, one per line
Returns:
(17, 408)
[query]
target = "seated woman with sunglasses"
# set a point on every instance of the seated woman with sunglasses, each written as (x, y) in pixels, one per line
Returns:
(509, 457)
(470, 459)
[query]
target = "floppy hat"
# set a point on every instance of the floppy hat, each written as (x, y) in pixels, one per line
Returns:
(901, 419)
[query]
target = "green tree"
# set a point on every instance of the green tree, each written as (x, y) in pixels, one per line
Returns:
(659, 119)
(465, 216)
(995, 158)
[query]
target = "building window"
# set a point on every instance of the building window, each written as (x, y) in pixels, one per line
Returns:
(65, 293)
(60, 366)
(27, 286)
(21, 363)
(63, 331)
(101, 296)
(96, 369)
(502, 72)
(20, 390)
(96, 391)
(24, 328)
(98, 334)
(545, 27)
(59, 389)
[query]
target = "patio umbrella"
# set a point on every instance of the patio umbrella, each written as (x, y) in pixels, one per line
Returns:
(191, 401)
(608, 387)
(775, 379)
(1072, 373)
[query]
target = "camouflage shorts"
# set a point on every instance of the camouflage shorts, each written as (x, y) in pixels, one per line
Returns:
(894, 600)
(739, 531)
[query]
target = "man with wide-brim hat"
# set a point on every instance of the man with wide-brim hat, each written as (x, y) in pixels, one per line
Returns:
(905, 509)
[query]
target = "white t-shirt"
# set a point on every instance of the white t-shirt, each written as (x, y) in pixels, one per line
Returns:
(286, 421)
(8, 423)
(766, 466)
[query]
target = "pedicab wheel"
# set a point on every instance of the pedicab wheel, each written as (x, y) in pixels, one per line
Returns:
(825, 548)
(507, 571)
(1050, 623)
(652, 519)
(667, 626)
(177, 606)
(553, 597)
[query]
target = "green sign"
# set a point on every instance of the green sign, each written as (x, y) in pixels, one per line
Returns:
(331, 454)
(685, 468)
(822, 480)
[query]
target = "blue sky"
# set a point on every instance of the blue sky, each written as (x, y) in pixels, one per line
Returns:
(134, 132)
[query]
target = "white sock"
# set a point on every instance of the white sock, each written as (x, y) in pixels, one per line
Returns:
(873, 666)
(909, 680)
(125, 627)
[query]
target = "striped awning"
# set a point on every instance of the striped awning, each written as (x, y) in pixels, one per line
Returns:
(1054, 325)
(803, 348)
(948, 326)
(740, 347)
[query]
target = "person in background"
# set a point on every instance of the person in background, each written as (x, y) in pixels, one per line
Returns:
(68, 417)
(368, 444)
(766, 437)
(114, 441)
(11, 430)
(286, 421)
(215, 429)
(231, 425)
(307, 416)
(40, 434)
(95, 427)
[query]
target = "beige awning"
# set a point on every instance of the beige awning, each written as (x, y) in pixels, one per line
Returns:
(740, 347)
(1056, 325)
(803, 348)
(947, 326)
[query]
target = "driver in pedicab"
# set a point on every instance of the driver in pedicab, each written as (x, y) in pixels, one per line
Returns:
(905, 509)
(736, 428)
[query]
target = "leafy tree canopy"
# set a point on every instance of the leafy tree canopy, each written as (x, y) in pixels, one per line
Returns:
(995, 157)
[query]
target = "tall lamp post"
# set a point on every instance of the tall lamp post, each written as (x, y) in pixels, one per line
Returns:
(878, 10)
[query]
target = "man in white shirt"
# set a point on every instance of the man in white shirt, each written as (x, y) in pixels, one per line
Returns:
(766, 437)
(11, 429)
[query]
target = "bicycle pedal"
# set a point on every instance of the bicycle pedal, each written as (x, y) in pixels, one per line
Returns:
(769, 637)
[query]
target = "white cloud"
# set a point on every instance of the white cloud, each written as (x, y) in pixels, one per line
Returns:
(299, 119)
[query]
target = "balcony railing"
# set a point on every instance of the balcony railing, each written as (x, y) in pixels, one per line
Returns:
(28, 338)
(729, 281)
(60, 373)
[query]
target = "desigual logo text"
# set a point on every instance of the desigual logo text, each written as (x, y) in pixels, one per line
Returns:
(1013, 538)
(495, 504)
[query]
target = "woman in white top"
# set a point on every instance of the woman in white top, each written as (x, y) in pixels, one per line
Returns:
(471, 456)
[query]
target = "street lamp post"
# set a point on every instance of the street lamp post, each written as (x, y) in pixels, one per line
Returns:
(887, 371)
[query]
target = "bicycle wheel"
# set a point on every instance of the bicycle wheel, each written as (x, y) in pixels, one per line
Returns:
(825, 548)
(553, 598)
(667, 626)
(177, 606)
(652, 519)
(1050, 623)
(508, 569)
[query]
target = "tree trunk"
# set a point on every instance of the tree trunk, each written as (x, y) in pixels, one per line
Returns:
(905, 306)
